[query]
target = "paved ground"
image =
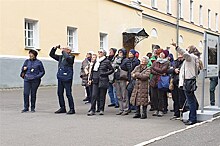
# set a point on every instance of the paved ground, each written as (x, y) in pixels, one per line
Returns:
(44, 128)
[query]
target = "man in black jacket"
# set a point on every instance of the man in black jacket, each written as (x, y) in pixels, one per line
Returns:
(65, 77)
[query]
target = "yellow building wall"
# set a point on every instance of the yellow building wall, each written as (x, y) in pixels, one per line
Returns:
(54, 17)
(114, 19)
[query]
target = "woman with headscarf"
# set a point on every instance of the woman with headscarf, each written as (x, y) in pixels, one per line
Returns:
(32, 71)
(120, 81)
(139, 96)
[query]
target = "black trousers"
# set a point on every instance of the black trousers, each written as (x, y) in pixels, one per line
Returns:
(157, 99)
(88, 92)
(179, 99)
(98, 95)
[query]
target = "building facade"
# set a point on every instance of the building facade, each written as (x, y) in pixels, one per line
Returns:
(87, 25)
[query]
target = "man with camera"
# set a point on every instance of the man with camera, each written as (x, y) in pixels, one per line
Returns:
(65, 77)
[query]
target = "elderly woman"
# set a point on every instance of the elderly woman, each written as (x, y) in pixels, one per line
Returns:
(189, 71)
(159, 68)
(100, 81)
(139, 96)
(32, 71)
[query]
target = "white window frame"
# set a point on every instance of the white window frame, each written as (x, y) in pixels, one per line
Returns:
(154, 4)
(200, 15)
(216, 22)
(169, 7)
(181, 39)
(191, 10)
(35, 35)
(181, 9)
(72, 39)
(154, 33)
(209, 18)
(103, 38)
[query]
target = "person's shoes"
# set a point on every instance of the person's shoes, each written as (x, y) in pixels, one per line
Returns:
(165, 111)
(24, 110)
(119, 113)
(160, 114)
(97, 111)
(111, 105)
(71, 111)
(101, 113)
(32, 110)
(144, 116)
(137, 116)
(116, 106)
(126, 112)
(212, 104)
(155, 113)
(190, 123)
(91, 113)
(175, 118)
(171, 110)
(87, 102)
(61, 110)
(86, 99)
(151, 109)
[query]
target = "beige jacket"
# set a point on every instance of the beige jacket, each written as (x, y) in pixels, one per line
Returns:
(190, 67)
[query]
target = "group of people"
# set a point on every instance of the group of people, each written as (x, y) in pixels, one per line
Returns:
(127, 80)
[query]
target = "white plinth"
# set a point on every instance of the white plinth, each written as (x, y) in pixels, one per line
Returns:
(212, 108)
(206, 115)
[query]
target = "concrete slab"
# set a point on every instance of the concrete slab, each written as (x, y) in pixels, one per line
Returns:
(212, 108)
(206, 115)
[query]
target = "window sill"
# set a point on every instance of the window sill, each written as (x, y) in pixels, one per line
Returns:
(30, 48)
(75, 53)
(169, 14)
(154, 8)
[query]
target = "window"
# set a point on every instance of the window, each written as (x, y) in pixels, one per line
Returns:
(200, 44)
(72, 38)
(200, 16)
(154, 4)
(216, 22)
(209, 18)
(168, 6)
(31, 34)
(191, 10)
(180, 8)
(180, 39)
(154, 33)
(104, 41)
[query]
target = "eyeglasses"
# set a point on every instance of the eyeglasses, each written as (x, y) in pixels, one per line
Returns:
(100, 52)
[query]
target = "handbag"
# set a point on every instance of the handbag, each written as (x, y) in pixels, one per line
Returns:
(189, 85)
(171, 86)
(123, 74)
(164, 83)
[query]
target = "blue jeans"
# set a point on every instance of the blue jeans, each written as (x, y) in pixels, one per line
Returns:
(213, 84)
(67, 85)
(192, 102)
(112, 94)
(30, 87)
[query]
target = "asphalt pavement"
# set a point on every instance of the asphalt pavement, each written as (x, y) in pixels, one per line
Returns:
(44, 128)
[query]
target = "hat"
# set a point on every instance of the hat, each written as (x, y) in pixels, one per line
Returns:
(166, 52)
(137, 54)
(104, 52)
(124, 51)
(34, 51)
(133, 51)
(114, 50)
(90, 52)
